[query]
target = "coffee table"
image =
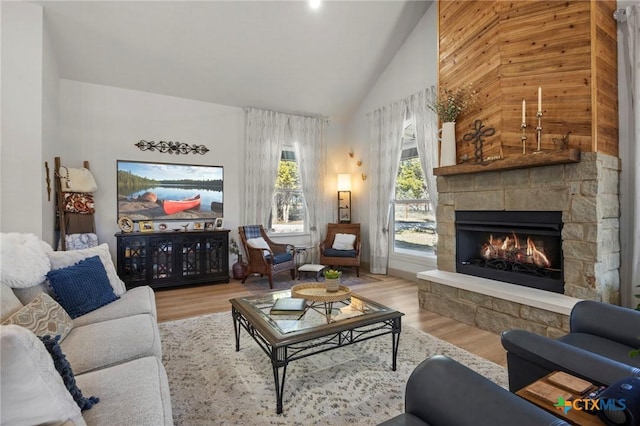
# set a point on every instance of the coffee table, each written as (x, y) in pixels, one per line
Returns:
(286, 338)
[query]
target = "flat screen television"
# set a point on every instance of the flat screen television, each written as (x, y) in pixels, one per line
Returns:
(169, 191)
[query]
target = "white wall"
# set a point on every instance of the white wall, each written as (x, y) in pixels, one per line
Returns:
(101, 124)
(413, 68)
(21, 162)
(50, 139)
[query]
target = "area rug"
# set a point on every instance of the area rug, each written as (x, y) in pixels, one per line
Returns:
(257, 284)
(212, 384)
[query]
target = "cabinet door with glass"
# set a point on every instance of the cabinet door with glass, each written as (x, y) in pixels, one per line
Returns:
(169, 259)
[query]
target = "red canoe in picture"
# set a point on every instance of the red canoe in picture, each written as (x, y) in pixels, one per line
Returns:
(175, 206)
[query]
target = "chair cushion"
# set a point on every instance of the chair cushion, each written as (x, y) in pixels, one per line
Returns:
(132, 393)
(128, 338)
(138, 300)
(601, 346)
(64, 368)
(83, 287)
(344, 241)
(252, 231)
(331, 252)
(281, 258)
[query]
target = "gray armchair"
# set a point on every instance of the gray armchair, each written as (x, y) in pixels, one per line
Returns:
(441, 391)
(596, 348)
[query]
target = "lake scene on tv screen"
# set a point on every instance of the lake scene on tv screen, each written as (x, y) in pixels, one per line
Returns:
(166, 191)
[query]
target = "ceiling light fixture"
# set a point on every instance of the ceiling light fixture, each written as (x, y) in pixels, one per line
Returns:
(315, 4)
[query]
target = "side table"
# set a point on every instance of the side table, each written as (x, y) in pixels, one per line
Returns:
(557, 389)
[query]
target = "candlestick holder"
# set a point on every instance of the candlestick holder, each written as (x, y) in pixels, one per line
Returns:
(523, 126)
(539, 131)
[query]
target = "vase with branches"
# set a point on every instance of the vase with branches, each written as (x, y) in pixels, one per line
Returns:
(450, 104)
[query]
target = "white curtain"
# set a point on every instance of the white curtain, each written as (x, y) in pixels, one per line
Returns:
(385, 134)
(264, 138)
(308, 134)
(630, 156)
(426, 137)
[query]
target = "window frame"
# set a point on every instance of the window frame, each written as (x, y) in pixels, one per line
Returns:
(408, 142)
(290, 148)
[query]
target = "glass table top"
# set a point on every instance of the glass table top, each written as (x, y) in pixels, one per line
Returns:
(317, 314)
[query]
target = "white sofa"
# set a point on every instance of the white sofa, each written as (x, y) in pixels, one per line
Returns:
(115, 355)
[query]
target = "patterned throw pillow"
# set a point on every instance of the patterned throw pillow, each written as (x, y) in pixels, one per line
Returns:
(43, 316)
(83, 287)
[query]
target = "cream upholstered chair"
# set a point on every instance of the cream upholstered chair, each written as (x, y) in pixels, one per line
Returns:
(264, 256)
(341, 247)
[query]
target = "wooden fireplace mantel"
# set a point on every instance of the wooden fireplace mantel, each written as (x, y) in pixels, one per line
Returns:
(544, 158)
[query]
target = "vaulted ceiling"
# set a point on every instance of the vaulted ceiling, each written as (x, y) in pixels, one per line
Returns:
(279, 55)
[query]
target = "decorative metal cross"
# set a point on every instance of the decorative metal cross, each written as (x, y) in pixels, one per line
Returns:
(477, 136)
(172, 147)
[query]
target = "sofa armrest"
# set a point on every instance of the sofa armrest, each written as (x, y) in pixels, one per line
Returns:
(611, 322)
(531, 357)
(440, 391)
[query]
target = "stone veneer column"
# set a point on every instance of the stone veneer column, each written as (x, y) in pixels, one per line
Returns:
(585, 192)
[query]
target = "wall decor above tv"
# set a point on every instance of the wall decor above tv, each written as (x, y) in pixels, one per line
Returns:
(169, 191)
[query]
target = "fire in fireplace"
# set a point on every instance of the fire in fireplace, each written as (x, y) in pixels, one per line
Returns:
(519, 247)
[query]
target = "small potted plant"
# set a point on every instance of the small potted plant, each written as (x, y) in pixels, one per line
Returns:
(332, 279)
(238, 268)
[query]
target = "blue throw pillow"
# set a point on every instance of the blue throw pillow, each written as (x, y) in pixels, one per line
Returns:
(63, 367)
(83, 287)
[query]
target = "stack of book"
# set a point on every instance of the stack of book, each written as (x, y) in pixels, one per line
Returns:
(289, 306)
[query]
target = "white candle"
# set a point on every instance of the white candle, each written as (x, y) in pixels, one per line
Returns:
(524, 106)
(539, 98)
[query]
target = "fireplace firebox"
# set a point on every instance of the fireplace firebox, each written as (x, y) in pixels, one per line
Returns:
(518, 247)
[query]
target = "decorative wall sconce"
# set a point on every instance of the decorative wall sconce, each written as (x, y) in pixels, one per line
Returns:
(359, 164)
(344, 198)
(172, 147)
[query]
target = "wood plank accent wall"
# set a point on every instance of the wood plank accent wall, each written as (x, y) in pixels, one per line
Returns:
(506, 49)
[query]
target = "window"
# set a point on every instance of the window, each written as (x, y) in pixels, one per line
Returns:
(288, 213)
(414, 218)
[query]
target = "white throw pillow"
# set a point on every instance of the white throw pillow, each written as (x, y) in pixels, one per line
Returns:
(62, 259)
(31, 389)
(258, 243)
(344, 241)
(24, 261)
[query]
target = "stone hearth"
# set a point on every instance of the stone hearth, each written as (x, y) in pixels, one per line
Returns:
(587, 195)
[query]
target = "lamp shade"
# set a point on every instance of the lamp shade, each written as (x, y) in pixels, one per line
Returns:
(344, 182)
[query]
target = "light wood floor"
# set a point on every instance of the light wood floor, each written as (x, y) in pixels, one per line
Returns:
(394, 292)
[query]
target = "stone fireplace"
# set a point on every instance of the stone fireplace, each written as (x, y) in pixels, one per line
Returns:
(584, 194)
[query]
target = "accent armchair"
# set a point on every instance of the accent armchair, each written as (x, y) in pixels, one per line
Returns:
(264, 256)
(440, 391)
(341, 247)
(596, 348)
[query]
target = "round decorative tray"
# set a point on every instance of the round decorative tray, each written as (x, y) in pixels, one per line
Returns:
(317, 292)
